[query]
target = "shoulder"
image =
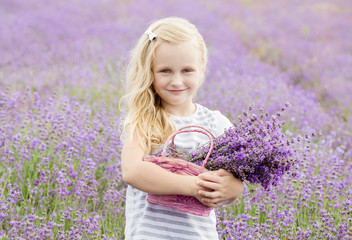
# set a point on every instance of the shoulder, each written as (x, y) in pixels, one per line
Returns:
(218, 121)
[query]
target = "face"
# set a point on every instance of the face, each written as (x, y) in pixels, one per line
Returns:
(178, 73)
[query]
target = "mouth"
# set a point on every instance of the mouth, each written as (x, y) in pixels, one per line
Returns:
(177, 91)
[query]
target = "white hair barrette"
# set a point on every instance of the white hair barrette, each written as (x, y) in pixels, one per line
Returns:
(151, 35)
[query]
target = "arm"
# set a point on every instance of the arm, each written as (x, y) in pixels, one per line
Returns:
(225, 188)
(151, 178)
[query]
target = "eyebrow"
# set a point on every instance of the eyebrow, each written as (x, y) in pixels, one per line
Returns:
(167, 66)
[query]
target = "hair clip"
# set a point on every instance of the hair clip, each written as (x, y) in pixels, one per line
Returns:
(150, 34)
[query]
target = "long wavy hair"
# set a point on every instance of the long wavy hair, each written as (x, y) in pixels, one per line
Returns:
(145, 116)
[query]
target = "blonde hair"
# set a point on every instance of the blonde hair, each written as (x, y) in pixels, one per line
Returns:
(145, 117)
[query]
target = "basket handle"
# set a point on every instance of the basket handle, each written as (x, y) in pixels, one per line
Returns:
(172, 136)
(190, 126)
(200, 127)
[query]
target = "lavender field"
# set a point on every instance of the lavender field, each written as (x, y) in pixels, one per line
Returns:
(62, 69)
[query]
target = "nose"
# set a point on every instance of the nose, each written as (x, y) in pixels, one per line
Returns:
(176, 79)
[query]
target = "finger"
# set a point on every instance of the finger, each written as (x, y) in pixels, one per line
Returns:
(215, 201)
(202, 184)
(210, 173)
(210, 195)
(212, 205)
(210, 177)
(222, 172)
(208, 202)
(209, 185)
(206, 189)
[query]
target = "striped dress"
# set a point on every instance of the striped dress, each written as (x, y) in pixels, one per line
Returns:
(150, 221)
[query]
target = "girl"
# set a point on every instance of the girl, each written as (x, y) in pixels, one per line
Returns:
(166, 69)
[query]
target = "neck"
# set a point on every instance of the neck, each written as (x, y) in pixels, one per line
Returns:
(182, 111)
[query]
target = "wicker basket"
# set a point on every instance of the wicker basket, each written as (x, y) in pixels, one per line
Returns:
(177, 165)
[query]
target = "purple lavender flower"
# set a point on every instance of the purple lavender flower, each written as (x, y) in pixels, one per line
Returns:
(253, 150)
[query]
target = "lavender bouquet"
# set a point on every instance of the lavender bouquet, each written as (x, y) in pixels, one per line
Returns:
(253, 150)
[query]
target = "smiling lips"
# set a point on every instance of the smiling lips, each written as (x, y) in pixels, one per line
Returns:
(176, 91)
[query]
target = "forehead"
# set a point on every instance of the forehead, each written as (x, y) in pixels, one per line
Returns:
(170, 53)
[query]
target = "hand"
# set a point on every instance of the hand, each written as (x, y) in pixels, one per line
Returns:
(204, 201)
(198, 189)
(219, 187)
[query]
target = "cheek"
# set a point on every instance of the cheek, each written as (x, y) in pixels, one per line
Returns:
(195, 82)
(159, 83)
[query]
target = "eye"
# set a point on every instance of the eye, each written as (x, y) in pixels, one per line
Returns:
(165, 71)
(188, 70)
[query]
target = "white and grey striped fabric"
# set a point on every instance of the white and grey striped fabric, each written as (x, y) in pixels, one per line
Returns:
(150, 221)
